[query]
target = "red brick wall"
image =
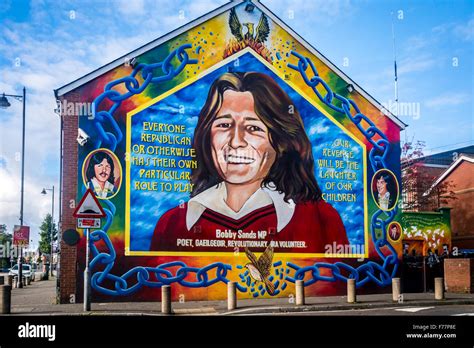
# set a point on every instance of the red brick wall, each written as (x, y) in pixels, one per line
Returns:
(459, 275)
(462, 213)
(420, 183)
(68, 258)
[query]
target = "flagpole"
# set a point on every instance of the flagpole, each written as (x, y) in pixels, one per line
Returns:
(395, 65)
(87, 277)
(396, 72)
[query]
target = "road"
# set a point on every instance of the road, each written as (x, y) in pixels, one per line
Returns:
(442, 310)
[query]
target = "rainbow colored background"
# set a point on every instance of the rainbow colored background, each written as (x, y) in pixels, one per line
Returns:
(214, 37)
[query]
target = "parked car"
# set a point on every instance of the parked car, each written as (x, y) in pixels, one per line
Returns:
(26, 270)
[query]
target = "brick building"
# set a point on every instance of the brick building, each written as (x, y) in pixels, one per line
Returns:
(426, 170)
(190, 59)
(454, 169)
(461, 175)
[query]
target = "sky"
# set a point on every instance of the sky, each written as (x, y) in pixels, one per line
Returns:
(44, 44)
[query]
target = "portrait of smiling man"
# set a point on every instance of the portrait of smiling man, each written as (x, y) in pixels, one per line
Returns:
(100, 175)
(255, 173)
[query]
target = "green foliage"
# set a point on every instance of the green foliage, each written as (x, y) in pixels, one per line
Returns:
(418, 191)
(5, 242)
(45, 234)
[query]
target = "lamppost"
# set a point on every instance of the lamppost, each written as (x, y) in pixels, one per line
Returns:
(52, 225)
(5, 104)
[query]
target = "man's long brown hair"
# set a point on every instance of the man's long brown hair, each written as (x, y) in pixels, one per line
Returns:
(293, 170)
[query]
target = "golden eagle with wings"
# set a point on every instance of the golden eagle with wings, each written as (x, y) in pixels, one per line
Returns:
(260, 268)
(253, 37)
(259, 35)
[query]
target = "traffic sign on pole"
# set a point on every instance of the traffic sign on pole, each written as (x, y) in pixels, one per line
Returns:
(88, 222)
(88, 214)
(89, 207)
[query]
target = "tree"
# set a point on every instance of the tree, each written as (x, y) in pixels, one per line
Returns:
(45, 234)
(418, 191)
(5, 242)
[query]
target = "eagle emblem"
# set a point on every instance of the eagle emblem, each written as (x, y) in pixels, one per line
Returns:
(259, 35)
(260, 268)
(248, 35)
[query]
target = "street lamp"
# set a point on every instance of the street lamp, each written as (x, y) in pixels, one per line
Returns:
(4, 103)
(52, 224)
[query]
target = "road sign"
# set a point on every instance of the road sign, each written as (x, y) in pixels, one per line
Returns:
(21, 235)
(88, 214)
(88, 222)
(89, 207)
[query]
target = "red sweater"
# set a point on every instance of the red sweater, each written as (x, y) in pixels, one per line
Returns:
(313, 226)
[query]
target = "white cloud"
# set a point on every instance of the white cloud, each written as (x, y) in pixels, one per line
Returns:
(54, 50)
(318, 128)
(448, 99)
(135, 7)
(418, 42)
(415, 64)
(465, 31)
(323, 12)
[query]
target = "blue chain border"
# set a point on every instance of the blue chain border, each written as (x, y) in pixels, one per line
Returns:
(162, 273)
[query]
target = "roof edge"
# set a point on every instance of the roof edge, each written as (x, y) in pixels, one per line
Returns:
(232, 3)
(450, 169)
(143, 49)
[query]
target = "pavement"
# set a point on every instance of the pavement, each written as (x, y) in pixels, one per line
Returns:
(412, 311)
(39, 299)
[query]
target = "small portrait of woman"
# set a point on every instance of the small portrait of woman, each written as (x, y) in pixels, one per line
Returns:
(385, 189)
(394, 231)
(102, 173)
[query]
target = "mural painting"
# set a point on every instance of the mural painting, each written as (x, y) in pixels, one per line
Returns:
(426, 239)
(433, 230)
(235, 152)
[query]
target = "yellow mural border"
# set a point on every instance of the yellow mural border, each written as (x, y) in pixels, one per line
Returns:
(186, 83)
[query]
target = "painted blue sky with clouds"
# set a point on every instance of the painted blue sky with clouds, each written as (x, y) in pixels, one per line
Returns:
(45, 44)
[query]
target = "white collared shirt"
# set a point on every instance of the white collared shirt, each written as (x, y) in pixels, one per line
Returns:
(108, 188)
(214, 199)
(384, 201)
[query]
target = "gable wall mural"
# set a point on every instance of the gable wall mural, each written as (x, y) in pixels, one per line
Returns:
(231, 152)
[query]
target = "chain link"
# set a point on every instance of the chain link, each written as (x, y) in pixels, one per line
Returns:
(377, 157)
(110, 139)
(140, 276)
(213, 273)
